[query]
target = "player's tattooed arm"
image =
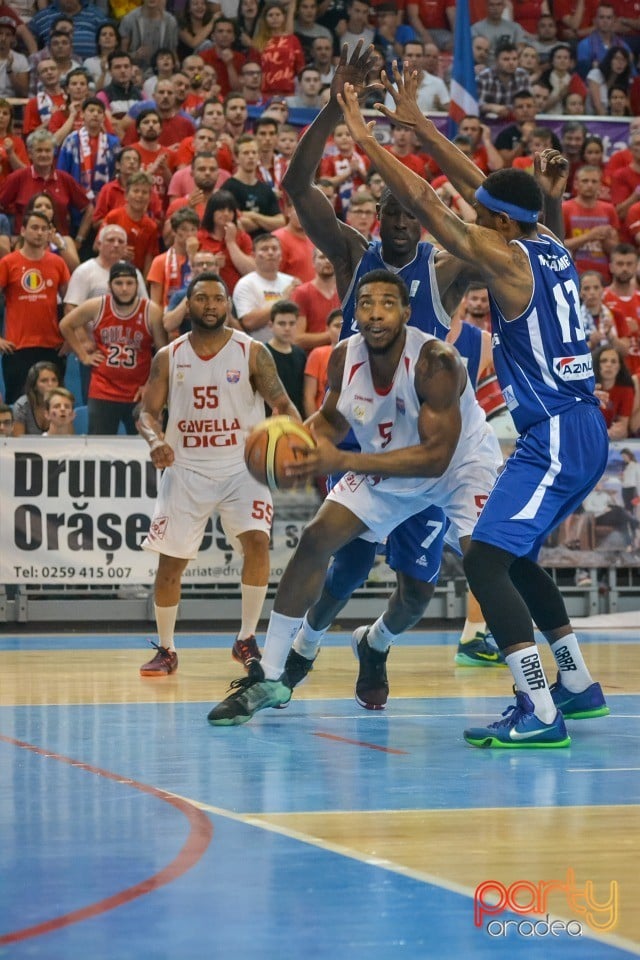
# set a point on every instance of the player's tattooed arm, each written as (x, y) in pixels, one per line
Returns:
(154, 400)
(267, 382)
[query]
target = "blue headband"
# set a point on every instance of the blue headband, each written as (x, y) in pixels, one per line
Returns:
(502, 206)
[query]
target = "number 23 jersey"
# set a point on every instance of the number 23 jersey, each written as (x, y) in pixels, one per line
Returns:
(126, 343)
(212, 405)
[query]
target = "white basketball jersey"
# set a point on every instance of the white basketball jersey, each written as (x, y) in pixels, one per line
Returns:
(389, 421)
(212, 405)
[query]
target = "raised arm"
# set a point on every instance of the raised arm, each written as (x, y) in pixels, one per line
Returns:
(551, 171)
(460, 170)
(342, 245)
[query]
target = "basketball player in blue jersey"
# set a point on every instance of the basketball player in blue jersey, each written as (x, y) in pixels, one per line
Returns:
(414, 550)
(543, 364)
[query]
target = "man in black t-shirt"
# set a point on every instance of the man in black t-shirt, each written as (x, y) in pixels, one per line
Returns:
(289, 359)
(259, 207)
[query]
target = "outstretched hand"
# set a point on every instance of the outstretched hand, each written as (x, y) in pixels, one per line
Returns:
(551, 171)
(404, 94)
(348, 101)
(354, 70)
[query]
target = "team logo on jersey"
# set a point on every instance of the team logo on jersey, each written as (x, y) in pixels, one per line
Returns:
(359, 413)
(158, 528)
(233, 376)
(510, 398)
(573, 368)
(32, 281)
(400, 407)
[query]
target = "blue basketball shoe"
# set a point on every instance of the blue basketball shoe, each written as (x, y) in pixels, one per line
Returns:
(520, 729)
(482, 651)
(579, 706)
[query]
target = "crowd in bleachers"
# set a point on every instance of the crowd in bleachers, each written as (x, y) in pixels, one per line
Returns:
(158, 133)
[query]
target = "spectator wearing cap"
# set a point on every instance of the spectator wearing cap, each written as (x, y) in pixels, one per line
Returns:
(41, 176)
(115, 335)
(86, 19)
(23, 34)
(89, 154)
(14, 67)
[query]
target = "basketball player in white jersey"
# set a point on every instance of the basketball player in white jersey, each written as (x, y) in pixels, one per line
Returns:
(423, 440)
(215, 382)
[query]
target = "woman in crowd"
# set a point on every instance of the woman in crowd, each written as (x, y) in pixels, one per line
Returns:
(615, 389)
(561, 77)
(29, 410)
(13, 153)
(65, 247)
(164, 64)
(613, 70)
(107, 40)
(221, 235)
(195, 26)
(281, 54)
(247, 20)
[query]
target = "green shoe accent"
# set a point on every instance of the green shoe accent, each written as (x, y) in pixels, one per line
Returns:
(496, 743)
(250, 694)
(587, 714)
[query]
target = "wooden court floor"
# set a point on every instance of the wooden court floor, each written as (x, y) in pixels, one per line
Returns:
(130, 828)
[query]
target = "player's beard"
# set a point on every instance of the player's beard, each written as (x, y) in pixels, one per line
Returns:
(199, 324)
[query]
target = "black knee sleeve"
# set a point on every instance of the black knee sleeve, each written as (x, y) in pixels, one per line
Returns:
(505, 611)
(540, 593)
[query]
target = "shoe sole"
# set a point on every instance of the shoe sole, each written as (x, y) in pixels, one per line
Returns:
(228, 721)
(462, 660)
(586, 714)
(369, 706)
(493, 743)
(157, 673)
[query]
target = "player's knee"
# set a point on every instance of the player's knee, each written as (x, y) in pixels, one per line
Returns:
(484, 567)
(350, 568)
(414, 596)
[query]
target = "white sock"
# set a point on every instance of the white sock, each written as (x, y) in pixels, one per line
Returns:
(308, 641)
(574, 672)
(281, 633)
(470, 629)
(380, 637)
(252, 603)
(529, 677)
(166, 624)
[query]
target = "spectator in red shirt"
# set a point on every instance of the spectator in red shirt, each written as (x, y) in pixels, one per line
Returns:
(281, 54)
(402, 146)
(155, 159)
(42, 177)
(13, 155)
(616, 390)
(226, 61)
(32, 278)
(347, 170)
(433, 21)
(574, 17)
(623, 295)
(315, 371)
(142, 232)
(39, 109)
(625, 186)
(591, 225)
(316, 299)
(297, 249)
(112, 194)
(221, 236)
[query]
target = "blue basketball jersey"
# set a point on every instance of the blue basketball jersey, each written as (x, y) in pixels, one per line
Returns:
(542, 358)
(469, 346)
(427, 311)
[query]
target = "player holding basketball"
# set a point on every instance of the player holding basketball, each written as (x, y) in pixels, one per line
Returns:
(215, 382)
(543, 364)
(424, 440)
(414, 550)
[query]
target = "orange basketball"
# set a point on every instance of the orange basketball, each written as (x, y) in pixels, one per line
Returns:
(271, 446)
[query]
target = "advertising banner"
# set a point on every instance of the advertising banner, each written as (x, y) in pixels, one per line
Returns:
(76, 510)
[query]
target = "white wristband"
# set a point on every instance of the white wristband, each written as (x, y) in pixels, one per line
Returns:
(157, 443)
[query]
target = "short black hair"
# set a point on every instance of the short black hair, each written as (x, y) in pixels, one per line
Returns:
(283, 306)
(385, 276)
(515, 186)
(208, 276)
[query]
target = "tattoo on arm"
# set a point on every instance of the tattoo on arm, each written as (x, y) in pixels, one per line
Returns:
(267, 379)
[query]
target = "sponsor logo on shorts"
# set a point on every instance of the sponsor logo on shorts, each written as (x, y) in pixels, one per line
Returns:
(422, 561)
(351, 481)
(158, 528)
(233, 376)
(573, 368)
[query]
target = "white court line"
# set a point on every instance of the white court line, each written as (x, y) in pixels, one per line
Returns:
(603, 770)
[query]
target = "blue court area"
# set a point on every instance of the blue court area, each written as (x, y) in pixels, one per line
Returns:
(133, 829)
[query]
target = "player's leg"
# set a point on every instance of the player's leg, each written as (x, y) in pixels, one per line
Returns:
(253, 587)
(245, 508)
(180, 516)
(300, 586)
(166, 598)
(414, 552)
(557, 462)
